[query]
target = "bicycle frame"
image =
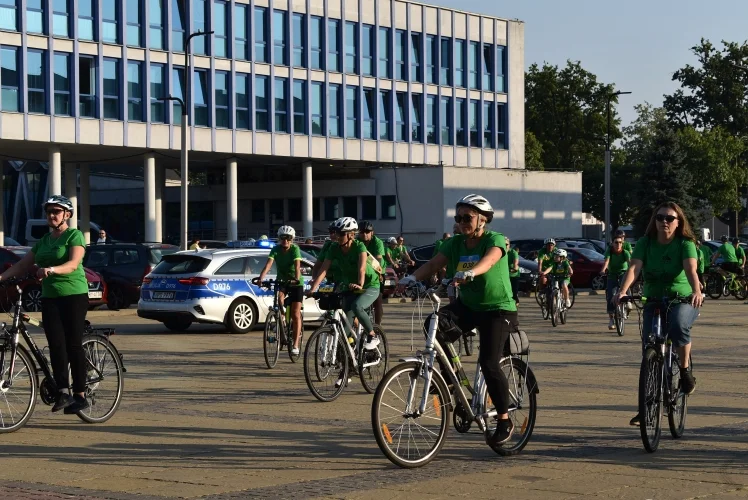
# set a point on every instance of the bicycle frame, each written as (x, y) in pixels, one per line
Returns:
(663, 346)
(340, 326)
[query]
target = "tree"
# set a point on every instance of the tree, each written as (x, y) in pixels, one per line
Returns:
(533, 152)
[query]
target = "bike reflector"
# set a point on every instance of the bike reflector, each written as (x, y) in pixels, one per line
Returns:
(386, 432)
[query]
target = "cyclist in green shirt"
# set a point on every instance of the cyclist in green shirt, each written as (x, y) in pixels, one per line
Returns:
(513, 262)
(739, 252)
(617, 260)
(561, 268)
(375, 247)
(545, 258)
(58, 255)
(332, 240)
(479, 258)
(730, 261)
(287, 258)
(626, 245)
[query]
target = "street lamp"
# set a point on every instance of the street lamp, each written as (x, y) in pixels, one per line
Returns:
(607, 171)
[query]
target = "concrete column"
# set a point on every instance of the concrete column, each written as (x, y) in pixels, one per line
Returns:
(2, 205)
(149, 178)
(307, 210)
(71, 191)
(232, 203)
(160, 181)
(54, 174)
(85, 204)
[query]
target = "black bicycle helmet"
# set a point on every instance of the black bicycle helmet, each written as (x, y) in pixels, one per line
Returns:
(724, 238)
(735, 240)
(365, 226)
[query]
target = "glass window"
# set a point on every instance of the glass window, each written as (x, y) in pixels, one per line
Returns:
(460, 63)
(332, 208)
(367, 54)
(62, 83)
(389, 207)
(299, 107)
(350, 206)
(133, 23)
(415, 117)
(158, 89)
(34, 16)
(241, 89)
(111, 89)
(221, 96)
(262, 105)
(351, 111)
(10, 79)
(368, 207)
(318, 108)
(334, 122)
(156, 24)
(351, 47)
(178, 21)
(401, 44)
(475, 65)
(385, 114)
(85, 19)
(87, 86)
(487, 66)
(294, 209)
(134, 91)
(177, 90)
(241, 47)
(501, 126)
(280, 97)
(234, 266)
(401, 118)
(8, 17)
(315, 209)
(369, 125)
(333, 39)
(276, 210)
(431, 53)
(488, 124)
(431, 119)
(500, 69)
(475, 112)
(317, 34)
(445, 120)
(299, 40)
(385, 51)
(37, 81)
(60, 22)
(258, 210)
(280, 37)
(261, 35)
(415, 57)
(460, 117)
(220, 26)
(199, 23)
(201, 94)
(445, 63)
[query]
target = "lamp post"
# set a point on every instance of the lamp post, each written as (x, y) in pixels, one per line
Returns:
(607, 171)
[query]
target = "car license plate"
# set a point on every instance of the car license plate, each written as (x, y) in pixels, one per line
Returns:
(389, 283)
(94, 295)
(163, 295)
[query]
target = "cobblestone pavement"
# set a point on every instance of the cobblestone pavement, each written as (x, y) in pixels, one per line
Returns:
(203, 418)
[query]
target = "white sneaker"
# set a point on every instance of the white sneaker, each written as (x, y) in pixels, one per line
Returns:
(295, 351)
(568, 303)
(371, 343)
(611, 324)
(340, 382)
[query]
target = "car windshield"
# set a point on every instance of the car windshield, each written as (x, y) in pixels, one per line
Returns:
(590, 254)
(306, 255)
(181, 264)
(156, 254)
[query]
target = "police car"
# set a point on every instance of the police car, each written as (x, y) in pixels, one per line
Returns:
(214, 286)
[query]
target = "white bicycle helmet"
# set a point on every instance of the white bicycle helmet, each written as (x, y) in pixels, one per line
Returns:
(479, 203)
(391, 240)
(559, 252)
(346, 224)
(549, 241)
(286, 231)
(60, 201)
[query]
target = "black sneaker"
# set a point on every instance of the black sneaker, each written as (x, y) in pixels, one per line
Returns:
(636, 421)
(502, 433)
(63, 401)
(79, 403)
(687, 381)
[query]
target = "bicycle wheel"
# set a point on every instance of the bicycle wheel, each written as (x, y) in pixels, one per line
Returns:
(17, 389)
(740, 288)
(714, 284)
(377, 360)
(522, 406)
(678, 407)
(405, 436)
(271, 339)
(325, 364)
(554, 308)
(105, 380)
(562, 313)
(539, 294)
(619, 318)
(572, 295)
(295, 357)
(650, 399)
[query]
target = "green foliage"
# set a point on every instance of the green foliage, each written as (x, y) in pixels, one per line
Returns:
(533, 152)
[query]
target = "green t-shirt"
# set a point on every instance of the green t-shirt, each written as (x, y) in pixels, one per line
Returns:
(49, 252)
(740, 254)
(330, 275)
(348, 265)
(512, 257)
(700, 258)
(663, 266)
(727, 251)
(376, 247)
(545, 258)
(618, 262)
(285, 262)
(627, 247)
(562, 268)
(707, 251)
(490, 291)
(437, 245)
(394, 253)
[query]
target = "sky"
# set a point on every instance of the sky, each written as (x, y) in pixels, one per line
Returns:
(635, 44)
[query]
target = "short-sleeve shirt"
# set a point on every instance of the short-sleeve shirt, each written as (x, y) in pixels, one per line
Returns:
(740, 254)
(562, 268)
(491, 291)
(618, 262)
(512, 258)
(394, 253)
(700, 258)
(727, 251)
(662, 268)
(376, 247)
(50, 252)
(627, 247)
(285, 262)
(437, 245)
(348, 265)
(545, 258)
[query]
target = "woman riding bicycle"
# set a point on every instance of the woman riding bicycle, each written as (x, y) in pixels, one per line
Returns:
(58, 255)
(485, 301)
(356, 274)
(617, 260)
(666, 255)
(560, 268)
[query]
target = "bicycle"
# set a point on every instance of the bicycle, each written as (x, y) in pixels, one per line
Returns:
(279, 325)
(659, 379)
(556, 305)
(336, 346)
(540, 296)
(419, 415)
(718, 284)
(465, 341)
(620, 311)
(19, 372)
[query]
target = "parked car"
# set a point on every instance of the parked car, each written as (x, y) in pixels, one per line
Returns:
(311, 248)
(213, 244)
(575, 244)
(36, 228)
(587, 265)
(123, 266)
(528, 248)
(215, 287)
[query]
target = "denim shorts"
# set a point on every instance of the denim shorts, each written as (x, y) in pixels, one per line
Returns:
(681, 316)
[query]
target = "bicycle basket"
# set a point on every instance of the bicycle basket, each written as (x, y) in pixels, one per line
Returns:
(518, 343)
(330, 302)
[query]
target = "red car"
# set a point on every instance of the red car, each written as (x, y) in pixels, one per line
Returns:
(32, 290)
(587, 265)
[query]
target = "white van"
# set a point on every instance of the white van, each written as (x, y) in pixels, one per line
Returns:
(36, 228)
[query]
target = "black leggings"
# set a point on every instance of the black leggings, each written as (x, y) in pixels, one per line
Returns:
(64, 320)
(493, 328)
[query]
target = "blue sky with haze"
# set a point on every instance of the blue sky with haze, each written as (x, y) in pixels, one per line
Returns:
(636, 44)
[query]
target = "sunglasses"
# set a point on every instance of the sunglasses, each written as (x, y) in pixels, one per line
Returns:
(286, 238)
(54, 211)
(464, 219)
(665, 218)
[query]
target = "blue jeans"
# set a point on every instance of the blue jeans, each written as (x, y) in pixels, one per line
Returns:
(613, 282)
(681, 318)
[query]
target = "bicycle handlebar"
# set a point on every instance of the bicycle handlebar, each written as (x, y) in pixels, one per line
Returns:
(17, 280)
